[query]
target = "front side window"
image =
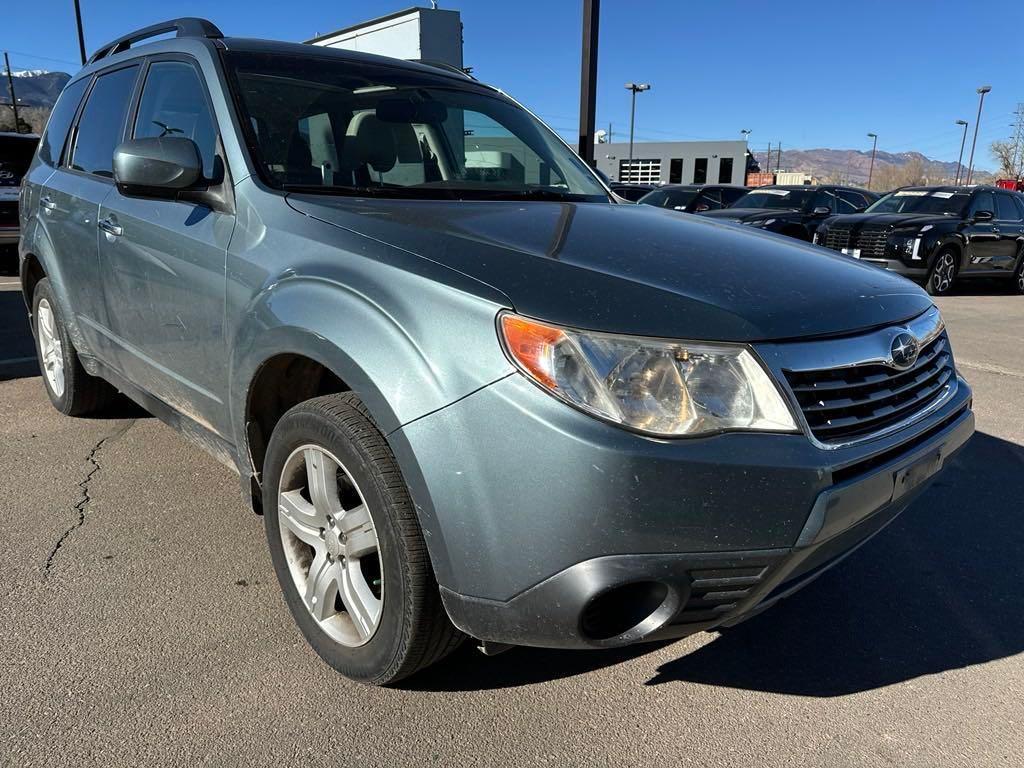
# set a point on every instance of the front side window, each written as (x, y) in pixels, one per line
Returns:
(983, 202)
(669, 198)
(850, 201)
(174, 104)
(825, 198)
(102, 123)
(319, 124)
(52, 143)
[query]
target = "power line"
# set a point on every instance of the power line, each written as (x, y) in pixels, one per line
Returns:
(43, 58)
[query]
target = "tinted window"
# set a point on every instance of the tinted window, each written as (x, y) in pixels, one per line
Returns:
(174, 104)
(669, 198)
(774, 197)
(850, 201)
(725, 170)
(700, 170)
(60, 120)
(712, 199)
(1006, 209)
(102, 123)
(826, 198)
(983, 202)
(730, 196)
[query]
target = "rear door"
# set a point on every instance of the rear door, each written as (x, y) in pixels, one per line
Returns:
(70, 201)
(163, 260)
(1011, 232)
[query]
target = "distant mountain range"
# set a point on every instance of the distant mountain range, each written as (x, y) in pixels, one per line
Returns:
(851, 165)
(34, 87)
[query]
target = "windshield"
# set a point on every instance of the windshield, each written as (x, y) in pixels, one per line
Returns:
(775, 198)
(669, 198)
(318, 124)
(927, 201)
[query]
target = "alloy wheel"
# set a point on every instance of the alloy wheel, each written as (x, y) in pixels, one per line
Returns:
(945, 270)
(331, 545)
(50, 347)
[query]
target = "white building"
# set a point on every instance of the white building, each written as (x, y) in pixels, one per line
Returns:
(675, 162)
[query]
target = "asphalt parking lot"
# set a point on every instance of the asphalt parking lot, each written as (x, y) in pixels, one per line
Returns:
(141, 624)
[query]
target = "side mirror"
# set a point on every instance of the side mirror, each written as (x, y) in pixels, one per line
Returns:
(822, 210)
(861, 209)
(702, 207)
(157, 167)
(983, 216)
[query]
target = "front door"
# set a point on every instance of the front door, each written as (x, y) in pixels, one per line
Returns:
(163, 262)
(982, 236)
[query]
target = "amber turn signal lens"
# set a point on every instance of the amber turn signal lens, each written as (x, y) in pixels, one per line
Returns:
(532, 345)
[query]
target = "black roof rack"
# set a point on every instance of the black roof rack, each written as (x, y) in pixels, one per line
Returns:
(186, 27)
(464, 72)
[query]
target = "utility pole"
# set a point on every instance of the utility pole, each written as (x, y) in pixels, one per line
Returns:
(981, 101)
(1018, 138)
(588, 80)
(635, 88)
(960, 160)
(778, 163)
(768, 162)
(81, 34)
(14, 100)
(874, 146)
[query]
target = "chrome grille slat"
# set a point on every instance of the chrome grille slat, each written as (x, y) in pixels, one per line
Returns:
(855, 401)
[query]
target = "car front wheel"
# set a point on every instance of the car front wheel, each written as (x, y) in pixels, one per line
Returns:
(943, 273)
(346, 544)
(1018, 276)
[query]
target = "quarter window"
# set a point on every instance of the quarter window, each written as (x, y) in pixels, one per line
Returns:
(102, 123)
(60, 120)
(174, 104)
(1006, 209)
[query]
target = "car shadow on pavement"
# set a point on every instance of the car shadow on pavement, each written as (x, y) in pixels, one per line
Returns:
(939, 589)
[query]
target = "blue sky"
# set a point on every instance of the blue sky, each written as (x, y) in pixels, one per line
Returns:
(807, 73)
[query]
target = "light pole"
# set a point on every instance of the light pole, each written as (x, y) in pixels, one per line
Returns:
(981, 101)
(960, 160)
(634, 88)
(874, 146)
(81, 34)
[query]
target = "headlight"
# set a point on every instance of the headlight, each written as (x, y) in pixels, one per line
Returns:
(666, 388)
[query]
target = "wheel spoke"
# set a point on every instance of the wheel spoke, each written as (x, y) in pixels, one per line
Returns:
(322, 587)
(362, 605)
(322, 476)
(358, 528)
(300, 517)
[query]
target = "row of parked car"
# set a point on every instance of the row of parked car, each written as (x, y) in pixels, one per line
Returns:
(935, 235)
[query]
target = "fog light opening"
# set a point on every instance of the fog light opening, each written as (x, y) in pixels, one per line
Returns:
(633, 609)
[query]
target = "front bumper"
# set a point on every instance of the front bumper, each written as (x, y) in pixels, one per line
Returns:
(897, 266)
(563, 531)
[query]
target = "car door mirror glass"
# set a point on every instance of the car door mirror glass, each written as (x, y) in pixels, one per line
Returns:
(822, 210)
(157, 167)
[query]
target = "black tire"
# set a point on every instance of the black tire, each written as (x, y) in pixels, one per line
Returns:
(1018, 276)
(943, 272)
(82, 394)
(414, 630)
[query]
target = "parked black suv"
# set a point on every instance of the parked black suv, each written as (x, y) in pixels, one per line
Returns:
(937, 235)
(794, 210)
(694, 198)
(630, 192)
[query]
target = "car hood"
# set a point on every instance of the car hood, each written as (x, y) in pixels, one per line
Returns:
(892, 220)
(635, 268)
(752, 214)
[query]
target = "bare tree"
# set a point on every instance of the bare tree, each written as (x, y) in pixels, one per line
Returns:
(1005, 153)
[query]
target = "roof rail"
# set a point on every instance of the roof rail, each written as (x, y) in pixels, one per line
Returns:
(451, 68)
(186, 27)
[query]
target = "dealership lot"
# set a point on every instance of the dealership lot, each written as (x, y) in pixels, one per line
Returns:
(141, 622)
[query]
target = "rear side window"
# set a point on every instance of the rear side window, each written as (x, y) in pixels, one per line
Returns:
(1006, 209)
(174, 104)
(60, 120)
(102, 123)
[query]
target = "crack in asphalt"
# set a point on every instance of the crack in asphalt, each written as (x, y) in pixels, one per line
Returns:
(85, 498)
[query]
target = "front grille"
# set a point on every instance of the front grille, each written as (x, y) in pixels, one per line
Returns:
(847, 403)
(870, 241)
(837, 238)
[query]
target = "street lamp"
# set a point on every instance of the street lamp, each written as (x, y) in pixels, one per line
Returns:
(745, 133)
(635, 88)
(874, 146)
(960, 160)
(981, 101)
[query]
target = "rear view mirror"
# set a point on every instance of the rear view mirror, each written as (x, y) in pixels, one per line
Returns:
(157, 167)
(983, 216)
(822, 210)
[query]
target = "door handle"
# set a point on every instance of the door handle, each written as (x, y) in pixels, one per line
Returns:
(110, 227)
(47, 203)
